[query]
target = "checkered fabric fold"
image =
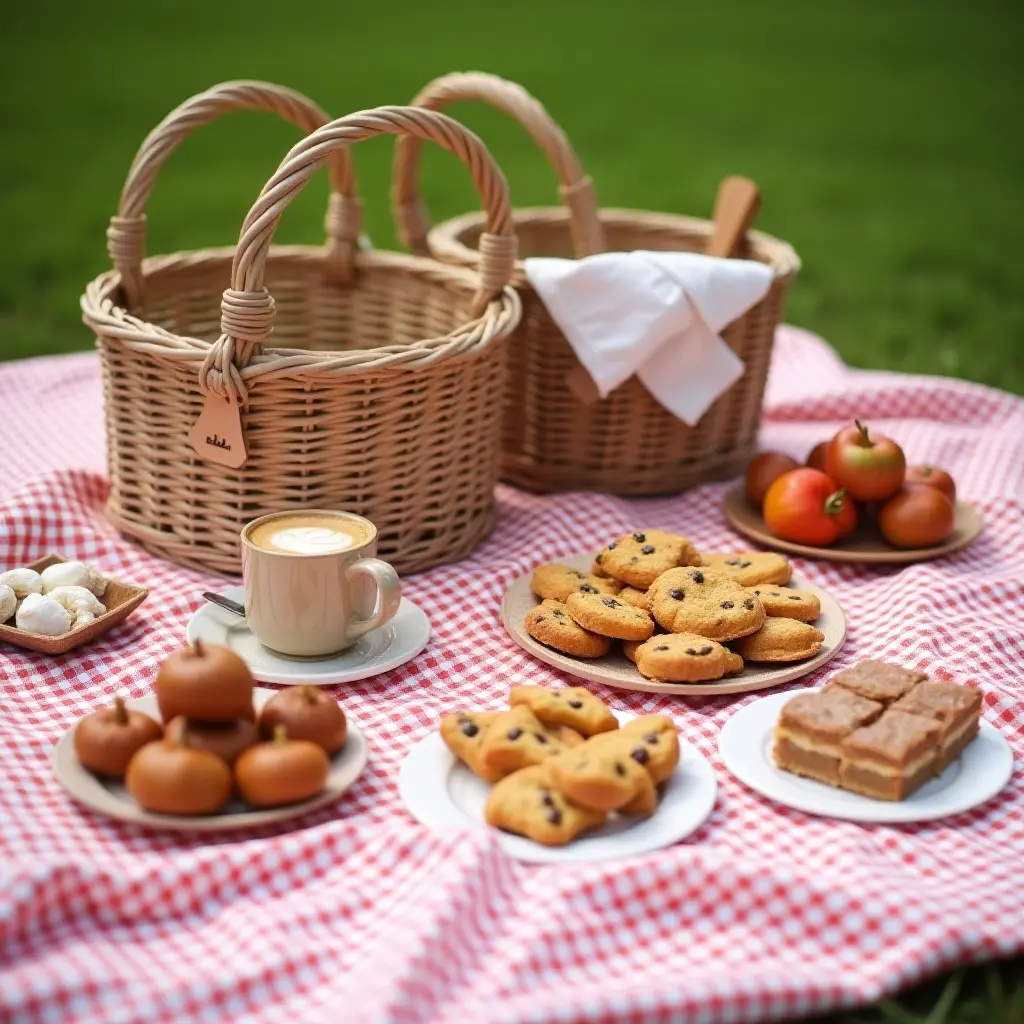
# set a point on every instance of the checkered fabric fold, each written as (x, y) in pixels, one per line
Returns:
(357, 913)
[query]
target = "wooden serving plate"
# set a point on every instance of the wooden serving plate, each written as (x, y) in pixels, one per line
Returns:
(615, 669)
(865, 546)
(120, 599)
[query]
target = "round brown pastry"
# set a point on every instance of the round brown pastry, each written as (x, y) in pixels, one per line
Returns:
(228, 740)
(106, 740)
(307, 714)
(206, 682)
(169, 777)
(281, 771)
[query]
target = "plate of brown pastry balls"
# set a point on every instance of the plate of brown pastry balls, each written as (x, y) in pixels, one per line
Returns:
(560, 776)
(649, 612)
(208, 750)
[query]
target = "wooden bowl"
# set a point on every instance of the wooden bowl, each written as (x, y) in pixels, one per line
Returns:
(120, 599)
(866, 546)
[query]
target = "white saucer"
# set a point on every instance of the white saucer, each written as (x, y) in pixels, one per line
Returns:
(443, 794)
(386, 648)
(977, 775)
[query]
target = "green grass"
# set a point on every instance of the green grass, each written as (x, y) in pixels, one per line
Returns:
(885, 135)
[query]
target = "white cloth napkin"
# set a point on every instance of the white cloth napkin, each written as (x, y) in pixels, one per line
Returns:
(653, 314)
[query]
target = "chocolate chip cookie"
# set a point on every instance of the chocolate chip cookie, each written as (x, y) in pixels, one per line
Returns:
(788, 604)
(640, 558)
(702, 602)
(528, 804)
(751, 567)
(557, 582)
(550, 624)
(609, 616)
(685, 658)
(516, 739)
(780, 640)
(463, 733)
(573, 706)
(605, 778)
(650, 740)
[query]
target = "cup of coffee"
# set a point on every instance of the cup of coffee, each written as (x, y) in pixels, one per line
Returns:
(312, 584)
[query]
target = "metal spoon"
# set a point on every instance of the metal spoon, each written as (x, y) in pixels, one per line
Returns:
(226, 603)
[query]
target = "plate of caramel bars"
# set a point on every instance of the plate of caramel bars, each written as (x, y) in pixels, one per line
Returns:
(649, 612)
(877, 743)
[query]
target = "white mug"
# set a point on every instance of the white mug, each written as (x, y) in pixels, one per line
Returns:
(313, 586)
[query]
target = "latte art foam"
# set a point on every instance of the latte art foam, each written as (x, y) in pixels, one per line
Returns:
(310, 540)
(309, 535)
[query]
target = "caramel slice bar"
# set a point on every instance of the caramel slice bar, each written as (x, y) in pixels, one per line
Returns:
(955, 709)
(877, 680)
(811, 728)
(890, 758)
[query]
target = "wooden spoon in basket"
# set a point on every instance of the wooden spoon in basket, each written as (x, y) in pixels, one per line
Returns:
(736, 205)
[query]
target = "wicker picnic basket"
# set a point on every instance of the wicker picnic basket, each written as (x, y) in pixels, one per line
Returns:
(556, 436)
(379, 395)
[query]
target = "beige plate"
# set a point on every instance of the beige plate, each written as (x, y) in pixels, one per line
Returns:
(615, 669)
(120, 599)
(865, 546)
(111, 798)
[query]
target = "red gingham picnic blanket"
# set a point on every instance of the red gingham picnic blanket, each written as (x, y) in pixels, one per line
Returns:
(357, 913)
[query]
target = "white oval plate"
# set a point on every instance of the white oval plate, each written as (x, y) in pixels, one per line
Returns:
(109, 796)
(615, 669)
(443, 794)
(395, 643)
(977, 775)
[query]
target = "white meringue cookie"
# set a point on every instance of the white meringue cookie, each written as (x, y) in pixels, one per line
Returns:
(97, 582)
(43, 615)
(79, 602)
(8, 602)
(22, 581)
(73, 574)
(64, 574)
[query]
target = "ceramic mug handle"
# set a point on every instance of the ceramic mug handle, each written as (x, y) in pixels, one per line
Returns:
(389, 594)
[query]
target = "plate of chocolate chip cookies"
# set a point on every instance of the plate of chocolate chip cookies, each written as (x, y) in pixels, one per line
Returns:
(649, 612)
(560, 777)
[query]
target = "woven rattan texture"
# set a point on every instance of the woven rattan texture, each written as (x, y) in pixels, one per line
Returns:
(378, 396)
(628, 443)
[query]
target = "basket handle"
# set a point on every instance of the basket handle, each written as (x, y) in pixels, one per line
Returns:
(575, 188)
(126, 235)
(247, 309)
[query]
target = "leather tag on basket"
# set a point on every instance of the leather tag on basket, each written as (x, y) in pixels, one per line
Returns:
(217, 435)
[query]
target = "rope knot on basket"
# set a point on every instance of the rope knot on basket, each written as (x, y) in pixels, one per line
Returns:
(126, 244)
(499, 254)
(246, 320)
(343, 223)
(247, 316)
(413, 223)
